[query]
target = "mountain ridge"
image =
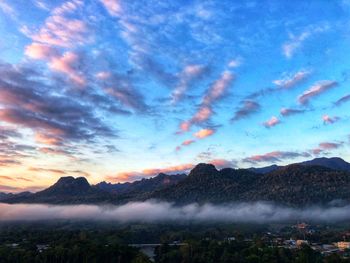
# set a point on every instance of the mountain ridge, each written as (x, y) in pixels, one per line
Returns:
(297, 184)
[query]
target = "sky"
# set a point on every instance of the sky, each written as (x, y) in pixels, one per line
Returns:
(119, 90)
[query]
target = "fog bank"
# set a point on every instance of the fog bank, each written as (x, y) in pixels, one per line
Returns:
(153, 211)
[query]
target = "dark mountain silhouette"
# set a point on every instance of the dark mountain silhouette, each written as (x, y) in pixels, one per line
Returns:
(296, 185)
(4, 196)
(144, 185)
(66, 190)
(206, 184)
(264, 170)
(301, 185)
(334, 163)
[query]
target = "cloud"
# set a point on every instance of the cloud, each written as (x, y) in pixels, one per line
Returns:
(47, 170)
(8, 9)
(190, 74)
(69, 63)
(4, 162)
(187, 142)
(235, 63)
(275, 156)
(154, 211)
(316, 90)
(342, 100)
(285, 112)
(122, 89)
(212, 95)
(134, 175)
(222, 163)
(7, 178)
(290, 81)
(113, 7)
(326, 146)
(47, 139)
(247, 108)
(13, 189)
(203, 133)
(271, 122)
(329, 120)
(295, 42)
(59, 117)
(41, 51)
(61, 31)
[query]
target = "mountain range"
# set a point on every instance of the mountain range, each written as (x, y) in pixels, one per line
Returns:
(318, 181)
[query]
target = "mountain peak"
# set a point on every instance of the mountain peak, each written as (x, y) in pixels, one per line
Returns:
(71, 183)
(335, 163)
(203, 169)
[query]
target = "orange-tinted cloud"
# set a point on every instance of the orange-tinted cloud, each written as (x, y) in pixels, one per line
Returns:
(47, 139)
(203, 133)
(133, 175)
(187, 142)
(41, 51)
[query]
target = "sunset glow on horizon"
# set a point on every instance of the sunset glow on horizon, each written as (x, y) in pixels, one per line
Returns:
(120, 90)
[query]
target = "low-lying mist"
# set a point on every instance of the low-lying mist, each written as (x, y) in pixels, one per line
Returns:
(153, 211)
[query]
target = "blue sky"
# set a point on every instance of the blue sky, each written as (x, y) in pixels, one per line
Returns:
(118, 90)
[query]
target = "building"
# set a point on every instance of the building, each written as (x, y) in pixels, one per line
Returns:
(343, 245)
(301, 242)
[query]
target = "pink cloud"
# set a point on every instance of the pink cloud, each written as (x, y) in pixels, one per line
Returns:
(133, 175)
(271, 122)
(69, 64)
(214, 93)
(176, 169)
(58, 30)
(40, 51)
(204, 133)
(222, 163)
(325, 146)
(329, 145)
(187, 77)
(275, 156)
(285, 112)
(291, 81)
(47, 139)
(329, 120)
(187, 142)
(315, 90)
(113, 7)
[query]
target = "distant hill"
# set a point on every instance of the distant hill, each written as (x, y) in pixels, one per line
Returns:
(68, 190)
(264, 170)
(296, 185)
(144, 185)
(334, 163)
